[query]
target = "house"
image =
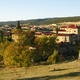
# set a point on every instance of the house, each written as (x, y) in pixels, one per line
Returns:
(71, 29)
(39, 34)
(66, 38)
(16, 35)
(6, 34)
(68, 34)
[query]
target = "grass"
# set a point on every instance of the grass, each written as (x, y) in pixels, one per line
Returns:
(60, 71)
(68, 23)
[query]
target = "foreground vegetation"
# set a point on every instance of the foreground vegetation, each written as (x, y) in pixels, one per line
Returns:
(60, 71)
(28, 49)
(30, 58)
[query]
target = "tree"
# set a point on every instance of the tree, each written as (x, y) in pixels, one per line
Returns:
(56, 30)
(26, 38)
(14, 55)
(1, 36)
(2, 48)
(45, 45)
(18, 25)
(19, 56)
(54, 58)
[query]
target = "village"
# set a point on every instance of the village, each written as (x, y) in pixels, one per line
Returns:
(68, 37)
(69, 34)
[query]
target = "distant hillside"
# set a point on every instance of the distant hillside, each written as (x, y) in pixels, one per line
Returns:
(45, 21)
(68, 23)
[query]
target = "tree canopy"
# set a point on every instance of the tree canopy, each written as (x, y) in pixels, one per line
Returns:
(45, 45)
(18, 25)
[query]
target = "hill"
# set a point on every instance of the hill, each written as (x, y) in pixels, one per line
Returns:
(45, 21)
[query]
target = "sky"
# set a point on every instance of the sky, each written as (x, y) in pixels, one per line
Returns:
(12, 10)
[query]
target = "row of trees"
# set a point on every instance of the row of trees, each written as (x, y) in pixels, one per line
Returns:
(52, 20)
(45, 21)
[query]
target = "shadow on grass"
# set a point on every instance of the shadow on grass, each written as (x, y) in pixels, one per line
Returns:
(58, 70)
(73, 74)
(66, 61)
(2, 66)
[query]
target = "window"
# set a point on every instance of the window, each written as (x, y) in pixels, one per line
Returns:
(74, 31)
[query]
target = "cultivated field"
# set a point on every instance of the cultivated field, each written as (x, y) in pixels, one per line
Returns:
(61, 71)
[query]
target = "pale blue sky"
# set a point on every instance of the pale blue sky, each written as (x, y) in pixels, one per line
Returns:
(12, 10)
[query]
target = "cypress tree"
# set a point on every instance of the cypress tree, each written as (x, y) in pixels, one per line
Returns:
(56, 30)
(18, 25)
(1, 35)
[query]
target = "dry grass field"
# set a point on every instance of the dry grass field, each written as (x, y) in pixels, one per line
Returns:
(61, 71)
(68, 23)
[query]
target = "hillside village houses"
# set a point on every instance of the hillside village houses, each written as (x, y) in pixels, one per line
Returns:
(68, 34)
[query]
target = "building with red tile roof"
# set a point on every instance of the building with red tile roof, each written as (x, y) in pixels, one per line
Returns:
(68, 32)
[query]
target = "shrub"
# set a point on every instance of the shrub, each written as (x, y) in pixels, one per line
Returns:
(54, 58)
(18, 56)
(15, 55)
(45, 45)
(2, 49)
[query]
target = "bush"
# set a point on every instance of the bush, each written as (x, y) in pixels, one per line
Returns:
(2, 49)
(19, 56)
(54, 58)
(15, 55)
(45, 46)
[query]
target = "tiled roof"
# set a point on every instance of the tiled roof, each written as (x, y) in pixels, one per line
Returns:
(39, 33)
(63, 34)
(72, 26)
(62, 30)
(6, 33)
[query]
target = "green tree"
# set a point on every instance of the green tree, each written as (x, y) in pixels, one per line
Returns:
(13, 55)
(54, 58)
(18, 25)
(26, 38)
(56, 30)
(18, 56)
(1, 36)
(45, 45)
(2, 48)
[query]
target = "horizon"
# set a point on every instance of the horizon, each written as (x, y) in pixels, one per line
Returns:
(39, 18)
(41, 9)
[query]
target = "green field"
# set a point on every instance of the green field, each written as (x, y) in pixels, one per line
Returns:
(61, 71)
